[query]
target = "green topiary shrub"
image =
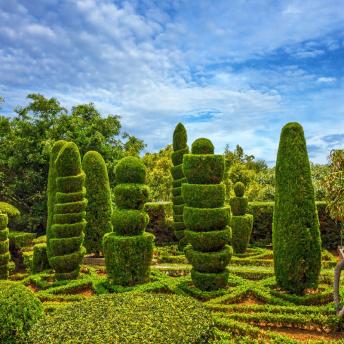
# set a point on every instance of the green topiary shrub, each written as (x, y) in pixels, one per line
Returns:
(206, 218)
(19, 311)
(179, 149)
(40, 259)
(296, 236)
(128, 318)
(241, 222)
(99, 206)
(129, 251)
(4, 247)
(12, 212)
(64, 246)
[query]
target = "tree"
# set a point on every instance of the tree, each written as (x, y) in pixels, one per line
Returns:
(26, 140)
(296, 235)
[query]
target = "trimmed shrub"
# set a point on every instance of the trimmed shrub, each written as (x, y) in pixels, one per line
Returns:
(65, 252)
(239, 189)
(19, 311)
(40, 259)
(99, 206)
(180, 148)
(129, 251)
(12, 212)
(4, 247)
(139, 319)
(205, 217)
(296, 235)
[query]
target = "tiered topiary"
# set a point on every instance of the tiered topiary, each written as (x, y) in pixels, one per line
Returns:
(129, 249)
(205, 216)
(179, 149)
(67, 232)
(99, 206)
(296, 236)
(4, 247)
(40, 259)
(241, 223)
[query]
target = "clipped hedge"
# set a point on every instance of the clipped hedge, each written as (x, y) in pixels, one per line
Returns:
(19, 311)
(128, 318)
(4, 247)
(99, 206)
(204, 195)
(40, 259)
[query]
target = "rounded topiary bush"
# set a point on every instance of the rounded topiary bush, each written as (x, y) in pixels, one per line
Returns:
(239, 189)
(4, 247)
(202, 146)
(296, 235)
(19, 311)
(99, 206)
(130, 170)
(128, 318)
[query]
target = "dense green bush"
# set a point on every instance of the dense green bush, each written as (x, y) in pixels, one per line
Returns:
(180, 148)
(12, 212)
(64, 246)
(40, 259)
(128, 318)
(99, 206)
(296, 235)
(4, 247)
(206, 218)
(19, 311)
(128, 250)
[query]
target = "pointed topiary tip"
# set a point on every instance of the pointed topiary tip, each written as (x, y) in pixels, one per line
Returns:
(179, 137)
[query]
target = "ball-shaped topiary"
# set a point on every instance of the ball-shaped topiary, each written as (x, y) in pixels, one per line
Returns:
(65, 250)
(179, 149)
(129, 250)
(20, 309)
(4, 247)
(99, 206)
(206, 218)
(296, 236)
(239, 189)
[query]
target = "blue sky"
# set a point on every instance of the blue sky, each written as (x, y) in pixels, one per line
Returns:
(234, 71)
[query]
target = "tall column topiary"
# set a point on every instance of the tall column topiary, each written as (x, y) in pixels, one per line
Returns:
(296, 235)
(241, 223)
(129, 249)
(179, 149)
(4, 247)
(205, 216)
(99, 206)
(68, 225)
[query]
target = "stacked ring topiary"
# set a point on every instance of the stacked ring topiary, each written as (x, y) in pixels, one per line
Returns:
(241, 222)
(205, 216)
(4, 247)
(67, 232)
(129, 249)
(179, 149)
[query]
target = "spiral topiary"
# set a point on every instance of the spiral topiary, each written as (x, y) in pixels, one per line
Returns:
(205, 216)
(241, 222)
(67, 231)
(4, 247)
(128, 250)
(99, 206)
(179, 149)
(296, 236)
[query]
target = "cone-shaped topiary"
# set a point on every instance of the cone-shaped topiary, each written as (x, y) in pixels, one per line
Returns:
(179, 149)
(129, 249)
(241, 222)
(205, 216)
(99, 206)
(67, 231)
(296, 236)
(4, 247)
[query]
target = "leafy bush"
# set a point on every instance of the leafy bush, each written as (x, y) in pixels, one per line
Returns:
(241, 232)
(40, 259)
(296, 235)
(130, 170)
(128, 318)
(130, 222)
(204, 195)
(131, 196)
(202, 146)
(4, 247)
(19, 311)
(99, 206)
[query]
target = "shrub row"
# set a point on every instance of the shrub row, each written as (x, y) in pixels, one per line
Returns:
(4, 247)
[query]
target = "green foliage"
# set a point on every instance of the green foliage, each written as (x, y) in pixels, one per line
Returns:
(40, 259)
(241, 231)
(296, 236)
(209, 281)
(19, 311)
(9, 209)
(140, 319)
(177, 156)
(179, 182)
(239, 189)
(19, 240)
(202, 146)
(26, 139)
(65, 252)
(129, 222)
(130, 170)
(238, 205)
(4, 247)
(99, 206)
(204, 195)
(203, 168)
(179, 137)
(131, 196)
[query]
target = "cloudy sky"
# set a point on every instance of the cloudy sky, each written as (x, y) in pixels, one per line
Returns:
(233, 71)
